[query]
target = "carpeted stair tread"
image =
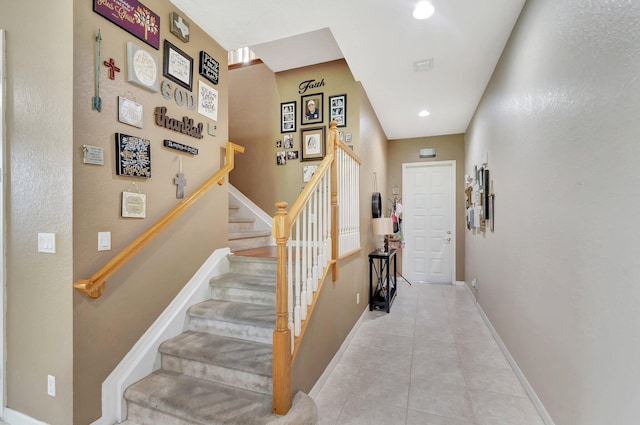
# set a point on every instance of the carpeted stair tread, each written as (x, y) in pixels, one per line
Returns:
(245, 281)
(200, 401)
(241, 220)
(230, 353)
(247, 235)
(247, 314)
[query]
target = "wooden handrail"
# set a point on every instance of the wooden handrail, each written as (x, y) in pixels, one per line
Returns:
(94, 286)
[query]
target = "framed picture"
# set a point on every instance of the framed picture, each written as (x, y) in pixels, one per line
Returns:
(281, 158)
(312, 143)
(177, 66)
(307, 172)
(288, 141)
(134, 205)
(207, 101)
(133, 17)
(142, 67)
(209, 67)
(288, 117)
(338, 109)
(292, 155)
(179, 27)
(130, 112)
(133, 156)
(311, 108)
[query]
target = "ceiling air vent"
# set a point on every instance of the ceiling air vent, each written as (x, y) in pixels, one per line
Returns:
(423, 65)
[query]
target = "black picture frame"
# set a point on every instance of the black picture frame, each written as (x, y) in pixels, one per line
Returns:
(338, 109)
(312, 144)
(177, 66)
(133, 156)
(288, 117)
(306, 115)
(209, 67)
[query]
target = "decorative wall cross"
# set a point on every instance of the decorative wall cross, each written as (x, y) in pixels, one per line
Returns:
(180, 182)
(112, 68)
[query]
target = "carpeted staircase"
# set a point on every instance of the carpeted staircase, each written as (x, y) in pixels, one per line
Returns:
(242, 232)
(219, 370)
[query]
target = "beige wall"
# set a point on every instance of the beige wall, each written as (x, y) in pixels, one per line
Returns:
(558, 278)
(257, 93)
(448, 148)
(39, 57)
(255, 97)
(106, 328)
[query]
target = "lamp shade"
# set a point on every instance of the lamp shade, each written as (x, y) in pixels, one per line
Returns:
(382, 226)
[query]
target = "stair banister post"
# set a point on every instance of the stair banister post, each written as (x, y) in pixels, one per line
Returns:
(333, 145)
(282, 393)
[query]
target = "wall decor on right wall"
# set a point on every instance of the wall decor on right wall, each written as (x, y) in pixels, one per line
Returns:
(312, 143)
(311, 108)
(338, 109)
(288, 117)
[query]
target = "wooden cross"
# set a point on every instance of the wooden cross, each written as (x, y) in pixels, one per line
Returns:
(181, 182)
(112, 68)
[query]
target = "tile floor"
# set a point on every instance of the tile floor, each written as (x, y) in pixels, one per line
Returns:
(430, 361)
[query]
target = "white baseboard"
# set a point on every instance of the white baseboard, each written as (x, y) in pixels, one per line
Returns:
(143, 358)
(16, 418)
(458, 283)
(546, 418)
(336, 358)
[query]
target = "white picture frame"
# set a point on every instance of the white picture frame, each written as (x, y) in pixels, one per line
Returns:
(142, 68)
(130, 112)
(207, 101)
(134, 205)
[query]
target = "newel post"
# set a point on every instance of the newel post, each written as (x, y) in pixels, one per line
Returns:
(282, 396)
(335, 225)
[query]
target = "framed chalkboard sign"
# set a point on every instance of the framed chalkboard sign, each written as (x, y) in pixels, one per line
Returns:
(133, 156)
(209, 67)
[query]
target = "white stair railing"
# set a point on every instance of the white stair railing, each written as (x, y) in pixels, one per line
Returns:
(321, 226)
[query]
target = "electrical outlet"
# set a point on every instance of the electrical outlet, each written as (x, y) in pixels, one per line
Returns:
(51, 385)
(474, 283)
(358, 298)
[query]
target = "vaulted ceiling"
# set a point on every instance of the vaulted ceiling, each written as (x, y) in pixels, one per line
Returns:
(455, 51)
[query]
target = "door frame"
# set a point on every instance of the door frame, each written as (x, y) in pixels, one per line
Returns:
(3, 227)
(426, 164)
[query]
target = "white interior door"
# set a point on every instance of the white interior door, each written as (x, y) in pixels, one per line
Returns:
(428, 224)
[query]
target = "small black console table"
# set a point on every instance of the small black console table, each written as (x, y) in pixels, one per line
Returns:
(386, 288)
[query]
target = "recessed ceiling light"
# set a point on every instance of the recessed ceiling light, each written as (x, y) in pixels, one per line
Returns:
(424, 113)
(423, 10)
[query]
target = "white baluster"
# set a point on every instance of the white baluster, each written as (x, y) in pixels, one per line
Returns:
(305, 262)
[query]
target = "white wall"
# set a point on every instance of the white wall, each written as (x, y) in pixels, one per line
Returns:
(559, 278)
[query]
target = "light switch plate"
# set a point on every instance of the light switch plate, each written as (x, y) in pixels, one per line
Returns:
(104, 241)
(47, 243)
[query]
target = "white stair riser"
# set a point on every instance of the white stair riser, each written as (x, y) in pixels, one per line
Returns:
(236, 378)
(249, 243)
(234, 330)
(241, 295)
